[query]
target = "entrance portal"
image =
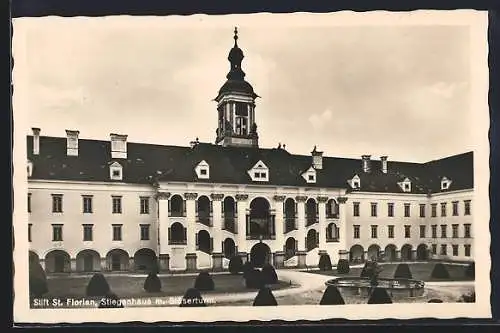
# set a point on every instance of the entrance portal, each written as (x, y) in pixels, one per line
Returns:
(260, 255)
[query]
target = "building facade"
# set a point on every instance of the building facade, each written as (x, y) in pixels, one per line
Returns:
(116, 205)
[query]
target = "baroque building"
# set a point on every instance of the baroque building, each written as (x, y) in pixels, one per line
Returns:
(115, 205)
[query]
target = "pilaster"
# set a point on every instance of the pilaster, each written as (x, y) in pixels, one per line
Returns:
(191, 222)
(279, 221)
(301, 222)
(322, 221)
(217, 221)
(241, 202)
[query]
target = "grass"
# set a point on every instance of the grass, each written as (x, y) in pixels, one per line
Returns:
(419, 271)
(132, 286)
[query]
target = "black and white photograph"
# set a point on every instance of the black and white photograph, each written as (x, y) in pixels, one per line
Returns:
(251, 167)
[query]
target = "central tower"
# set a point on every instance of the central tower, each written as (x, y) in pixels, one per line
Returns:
(236, 105)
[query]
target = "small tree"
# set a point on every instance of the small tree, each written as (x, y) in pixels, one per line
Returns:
(379, 296)
(98, 286)
(332, 296)
(152, 284)
(192, 298)
(204, 282)
(403, 272)
(269, 275)
(235, 265)
(470, 271)
(325, 264)
(440, 271)
(343, 266)
(37, 280)
(265, 298)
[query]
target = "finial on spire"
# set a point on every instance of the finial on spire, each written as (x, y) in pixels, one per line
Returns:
(235, 35)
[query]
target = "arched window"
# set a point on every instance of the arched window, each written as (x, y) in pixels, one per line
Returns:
(177, 234)
(332, 209)
(176, 206)
(332, 233)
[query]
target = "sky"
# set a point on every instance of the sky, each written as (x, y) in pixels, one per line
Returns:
(401, 91)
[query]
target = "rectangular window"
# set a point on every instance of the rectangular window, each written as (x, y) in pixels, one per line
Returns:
(117, 204)
(467, 250)
(57, 203)
(422, 231)
(390, 231)
(241, 125)
(374, 231)
(443, 230)
(87, 204)
(444, 249)
(407, 210)
(433, 210)
(373, 206)
(407, 231)
(467, 230)
(390, 209)
(203, 172)
(144, 202)
(117, 232)
(454, 248)
(29, 202)
(355, 207)
(455, 208)
(356, 231)
(422, 210)
(434, 230)
(57, 232)
(29, 232)
(443, 209)
(466, 207)
(144, 231)
(263, 175)
(87, 232)
(256, 174)
(434, 248)
(454, 230)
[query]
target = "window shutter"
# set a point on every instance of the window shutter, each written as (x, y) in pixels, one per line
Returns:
(317, 239)
(222, 206)
(222, 246)
(337, 232)
(296, 209)
(296, 245)
(235, 207)
(248, 225)
(196, 240)
(328, 236)
(169, 209)
(211, 244)
(184, 206)
(196, 206)
(317, 208)
(185, 234)
(169, 235)
(211, 206)
(284, 224)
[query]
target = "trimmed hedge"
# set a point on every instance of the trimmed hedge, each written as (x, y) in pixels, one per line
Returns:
(379, 296)
(343, 266)
(235, 265)
(440, 271)
(204, 282)
(37, 280)
(325, 264)
(331, 296)
(403, 272)
(435, 300)
(247, 268)
(254, 279)
(192, 298)
(265, 298)
(97, 286)
(470, 271)
(152, 284)
(269, 275)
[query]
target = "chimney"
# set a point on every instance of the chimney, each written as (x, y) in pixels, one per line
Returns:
(72, 142)
(317, 159)
(366, 163)
(36, 141)
(383, 162)
(118, 145)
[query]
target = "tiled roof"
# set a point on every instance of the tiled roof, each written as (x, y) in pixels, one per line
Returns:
(230, 165)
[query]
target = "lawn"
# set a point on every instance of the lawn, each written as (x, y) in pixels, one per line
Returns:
(132, 286)
(420, 271)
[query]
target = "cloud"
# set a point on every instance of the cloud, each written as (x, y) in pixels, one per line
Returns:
(318, 121)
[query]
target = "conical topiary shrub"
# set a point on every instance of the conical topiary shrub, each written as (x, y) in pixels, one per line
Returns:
(235, 265)
(379, 296)
(247, 268)
(343, 266)
(435, 300)
(192, 298)
(403, 272)
(331, 296)
(325, 264)
(269, 275)
(37, 280)
(204, 282)
(470, 271)
(97, 286)
(152, 284)
(440, 272)
(110, 300)
(254, 279)
(264, 298)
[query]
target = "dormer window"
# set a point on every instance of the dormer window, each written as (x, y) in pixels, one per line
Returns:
(405, 185)
(202, 170)
(310, 175)
(445, 184)
(30, 168)
(259, 172)
(355, 182)
(115, 171)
